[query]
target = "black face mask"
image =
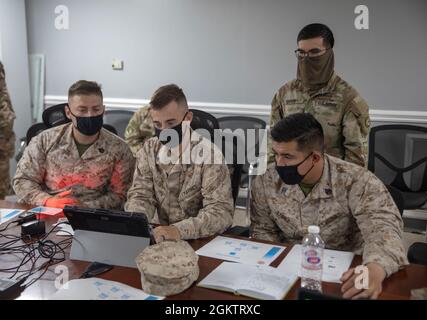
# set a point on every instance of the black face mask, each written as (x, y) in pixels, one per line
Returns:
(290, 174)
(177, 129)
(89, 126)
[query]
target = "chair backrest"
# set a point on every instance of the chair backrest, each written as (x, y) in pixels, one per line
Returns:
(34, 130)
(241, 122)
(55, 115)
(398, 198)
(398, 156)
(236, 176)
(119, 119)
(245, 123)
(204, 120)
(229, 151)
(110, 128)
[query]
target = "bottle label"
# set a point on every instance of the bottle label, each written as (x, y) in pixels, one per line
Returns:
(313, 260)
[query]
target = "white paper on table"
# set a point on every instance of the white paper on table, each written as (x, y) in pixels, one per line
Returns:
(100, 289)
(9, 214)
(65, 230)
(335, 263)
(243, 251)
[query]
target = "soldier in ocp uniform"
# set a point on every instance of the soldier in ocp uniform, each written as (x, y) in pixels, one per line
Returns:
(79, 163)
(7, 136)
(318, 90)
(139, 129)
(192, 199)
(352, 207)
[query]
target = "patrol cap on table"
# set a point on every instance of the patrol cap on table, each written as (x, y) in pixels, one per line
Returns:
(168, 268)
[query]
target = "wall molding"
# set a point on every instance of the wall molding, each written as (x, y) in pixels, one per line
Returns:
(377, 115)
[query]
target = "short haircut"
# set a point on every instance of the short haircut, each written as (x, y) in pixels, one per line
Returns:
(302, 128)
(315, 30)
(85, 88)
(166, 94)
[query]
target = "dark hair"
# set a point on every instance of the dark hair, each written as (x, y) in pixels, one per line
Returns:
(302, 128)
(315, 30)
(166, 94)
(83, 87)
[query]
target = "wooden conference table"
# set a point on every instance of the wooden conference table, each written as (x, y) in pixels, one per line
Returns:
(398, 286)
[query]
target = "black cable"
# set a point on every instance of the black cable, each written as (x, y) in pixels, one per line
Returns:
(7, 226)
(36, 249)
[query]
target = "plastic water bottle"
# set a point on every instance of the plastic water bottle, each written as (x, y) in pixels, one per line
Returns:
(312, 260)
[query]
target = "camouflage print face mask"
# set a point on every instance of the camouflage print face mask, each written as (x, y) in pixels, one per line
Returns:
(315, 72)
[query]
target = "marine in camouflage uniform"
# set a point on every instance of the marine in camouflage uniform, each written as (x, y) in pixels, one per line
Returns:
(51, 164)
(343, 114)
(7, 136)
(195, 198)
(352, 207)
(139, 129)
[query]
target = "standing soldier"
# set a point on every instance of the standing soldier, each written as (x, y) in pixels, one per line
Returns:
(318, 90)
(7, 136)
(139, 129)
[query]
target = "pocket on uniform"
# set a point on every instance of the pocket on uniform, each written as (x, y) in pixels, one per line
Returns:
(191, 200)
(293, 106)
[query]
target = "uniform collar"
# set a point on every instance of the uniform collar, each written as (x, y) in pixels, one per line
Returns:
(329, 87)
(321, 190)
(98, 147)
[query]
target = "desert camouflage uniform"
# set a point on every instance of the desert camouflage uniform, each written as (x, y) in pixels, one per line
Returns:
(139, 129)
(195, 198)
(7, 136)
(343, 114)
(352, 207)
(51, 164)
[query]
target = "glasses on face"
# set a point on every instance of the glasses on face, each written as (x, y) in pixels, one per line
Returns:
(316, 52)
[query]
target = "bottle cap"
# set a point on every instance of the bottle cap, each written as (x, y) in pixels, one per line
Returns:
(313, 229)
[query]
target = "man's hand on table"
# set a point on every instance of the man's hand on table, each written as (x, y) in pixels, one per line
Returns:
(376, 276)
(163, 233)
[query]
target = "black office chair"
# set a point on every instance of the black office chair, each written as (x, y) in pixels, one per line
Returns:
(242, 122)
(204, 120)
(34, 130)
(229, 152)
(417, 253)
(55, 115)
(119, 119)
(110, 128)
(235, 167)
(398, 153)
(397, 197)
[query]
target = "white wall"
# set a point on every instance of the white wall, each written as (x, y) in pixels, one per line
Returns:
(230, 51)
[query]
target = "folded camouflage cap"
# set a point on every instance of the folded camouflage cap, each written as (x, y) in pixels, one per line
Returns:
(168, 268)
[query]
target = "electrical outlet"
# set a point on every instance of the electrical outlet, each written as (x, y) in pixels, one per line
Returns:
(117, 64)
